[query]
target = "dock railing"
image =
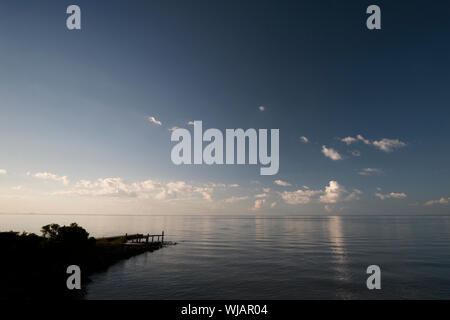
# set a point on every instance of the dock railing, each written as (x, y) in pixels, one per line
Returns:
(138, 238)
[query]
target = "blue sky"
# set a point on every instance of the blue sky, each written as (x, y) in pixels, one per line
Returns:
(76, 104)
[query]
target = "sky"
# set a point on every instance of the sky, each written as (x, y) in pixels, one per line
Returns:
(86, 115)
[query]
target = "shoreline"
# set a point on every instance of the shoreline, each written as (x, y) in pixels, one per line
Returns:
(37, 265)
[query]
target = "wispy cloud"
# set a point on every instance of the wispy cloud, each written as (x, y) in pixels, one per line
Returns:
(361, 138)
(173, 128)
(234, 199)
(282, 183)
(261, 108)
(191, 123)
(154, 121)
(348, 140)
(386, 145)
(50, 176)
(148, 189)
(440, 201)
(299, 196)
(304, 139)
(370, 171)
(331, 153)
(392, 195)
(261, 195)
(3, 172)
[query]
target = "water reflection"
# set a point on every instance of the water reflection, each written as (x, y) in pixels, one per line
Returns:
(277, 257)
(337, 246)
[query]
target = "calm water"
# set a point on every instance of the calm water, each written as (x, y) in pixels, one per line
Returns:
(271, 257)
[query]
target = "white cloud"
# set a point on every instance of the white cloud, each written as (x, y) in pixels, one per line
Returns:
(392, 195)
(440, 201)
(353, 195)
(304, 139)
(282, 183)
(235, 199)
(333, 193)
(331, 153)
(182, 189)
(258, 204)
(154, 121)
(299, 196)
(3, 172)
(387, 145)
(261, 108)
(223, 185)
(348, 140)
(50, 176)
(361, 138)
(191, 123)
(370, 171)
(148, 189)
(173, 128)
(261, 195)
(266, 190)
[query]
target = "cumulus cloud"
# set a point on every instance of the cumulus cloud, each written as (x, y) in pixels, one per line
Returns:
(370, 171)
(50, 176)
(388, 145)
(261, 108)
(258, 204)
(331, 153)
(392, 195)
(282, 183)
(154, 121)
(304, 139)
(332, 193)
(440, 201)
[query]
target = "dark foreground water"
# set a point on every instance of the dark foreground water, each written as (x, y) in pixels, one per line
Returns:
(271, 257)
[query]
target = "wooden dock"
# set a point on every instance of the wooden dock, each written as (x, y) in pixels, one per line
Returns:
(138, 239)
